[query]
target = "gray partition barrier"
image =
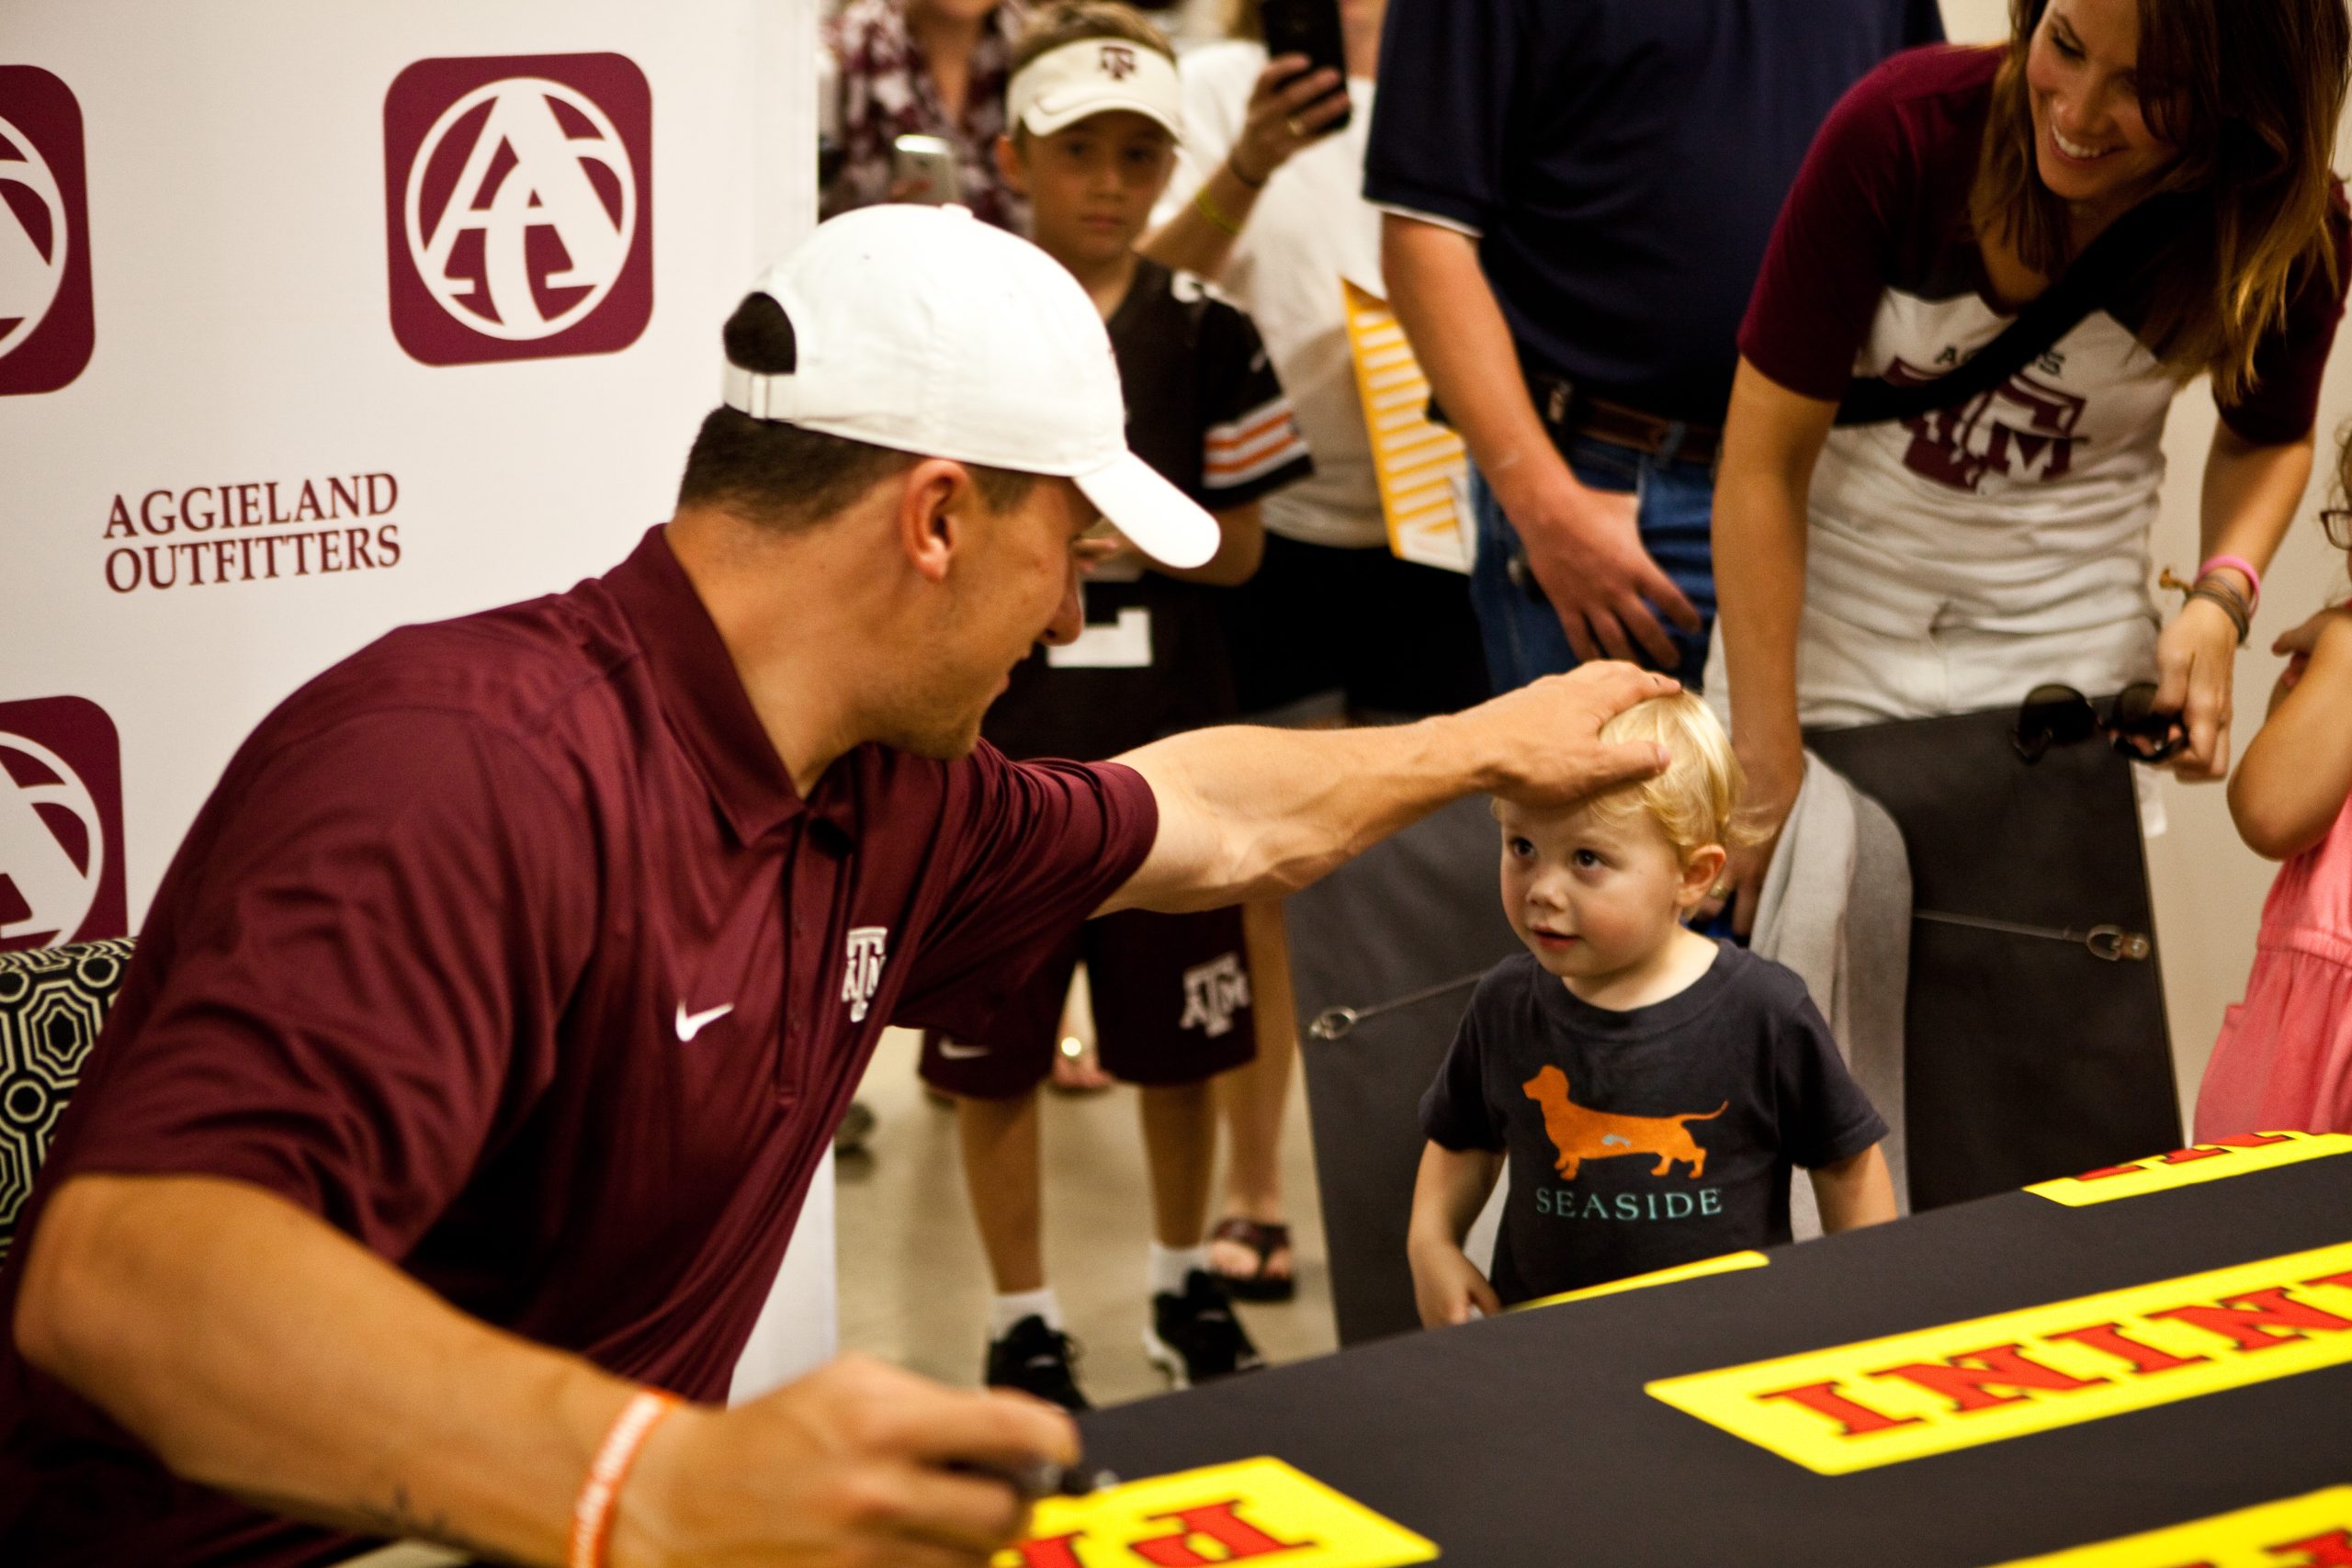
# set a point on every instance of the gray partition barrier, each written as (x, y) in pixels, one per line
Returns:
(1413, 912)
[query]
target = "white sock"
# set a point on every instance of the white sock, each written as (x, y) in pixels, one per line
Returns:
(1005, 1311)
(1170, 1264)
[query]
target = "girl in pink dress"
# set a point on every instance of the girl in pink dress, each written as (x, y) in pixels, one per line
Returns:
(2284, 1060)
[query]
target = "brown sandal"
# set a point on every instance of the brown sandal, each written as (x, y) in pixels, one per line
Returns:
(1266, 1239)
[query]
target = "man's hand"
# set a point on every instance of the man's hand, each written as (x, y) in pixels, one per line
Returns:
(1584, 548)
(844, 1466)
(1546, 741)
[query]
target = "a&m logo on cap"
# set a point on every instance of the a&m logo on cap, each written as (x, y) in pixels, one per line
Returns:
(518, 194)
(47, 325)
(1118, 60)
(60, 824)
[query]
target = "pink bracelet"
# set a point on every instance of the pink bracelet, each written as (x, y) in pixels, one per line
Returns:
(2236, 563)
(592, 1515)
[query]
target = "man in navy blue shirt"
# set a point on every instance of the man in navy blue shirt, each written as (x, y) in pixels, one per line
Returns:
(1577, 196)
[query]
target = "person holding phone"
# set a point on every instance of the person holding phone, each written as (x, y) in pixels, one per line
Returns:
(1577, 196)
(911, 93)
(1267, 202)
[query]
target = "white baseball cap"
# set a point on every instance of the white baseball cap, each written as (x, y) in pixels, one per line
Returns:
(923, 329)
(1095, 75)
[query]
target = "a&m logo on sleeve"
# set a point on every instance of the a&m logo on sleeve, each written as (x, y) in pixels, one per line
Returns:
(1253, 1509)
(519, 204)
(1852, 1407)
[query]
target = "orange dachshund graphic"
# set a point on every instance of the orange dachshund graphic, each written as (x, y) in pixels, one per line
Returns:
(1580, 1135)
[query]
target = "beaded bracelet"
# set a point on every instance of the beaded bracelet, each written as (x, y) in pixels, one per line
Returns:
(2214, 591)
(2220, 591)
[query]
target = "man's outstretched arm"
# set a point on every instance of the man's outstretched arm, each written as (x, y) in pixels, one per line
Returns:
(1249, 813)
(260, 1351)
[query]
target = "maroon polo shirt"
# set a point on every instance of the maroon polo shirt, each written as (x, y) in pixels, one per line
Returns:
(507, 947)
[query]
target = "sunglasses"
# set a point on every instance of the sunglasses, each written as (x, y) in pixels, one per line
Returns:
(2061, 715)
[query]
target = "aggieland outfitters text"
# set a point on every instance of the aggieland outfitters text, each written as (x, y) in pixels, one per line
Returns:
(252, 532)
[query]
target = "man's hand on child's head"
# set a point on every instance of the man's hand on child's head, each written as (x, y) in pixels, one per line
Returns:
(1544, 738)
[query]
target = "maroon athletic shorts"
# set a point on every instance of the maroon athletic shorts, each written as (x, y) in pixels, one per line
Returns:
(1171, 1006)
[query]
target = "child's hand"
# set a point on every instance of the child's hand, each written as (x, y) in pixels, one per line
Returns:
(2297, 645)
(1448, 1288)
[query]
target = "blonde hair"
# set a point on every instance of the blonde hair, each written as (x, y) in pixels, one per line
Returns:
(1696, 799)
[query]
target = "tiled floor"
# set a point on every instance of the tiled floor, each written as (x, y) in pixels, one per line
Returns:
(914, 1286)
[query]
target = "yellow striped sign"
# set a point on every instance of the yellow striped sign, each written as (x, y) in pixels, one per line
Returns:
(2311, 1531)
(1421, 466)
(1849, 1407)
(2187, 1167)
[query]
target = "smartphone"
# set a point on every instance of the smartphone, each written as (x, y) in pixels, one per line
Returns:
(930, 160)
(1310, 28)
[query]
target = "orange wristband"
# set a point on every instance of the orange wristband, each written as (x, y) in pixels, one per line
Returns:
(592, 1514)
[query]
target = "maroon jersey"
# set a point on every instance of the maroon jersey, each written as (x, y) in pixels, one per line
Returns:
(507, 947)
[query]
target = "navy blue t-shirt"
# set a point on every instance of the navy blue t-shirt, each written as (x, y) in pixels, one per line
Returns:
(1647, 1138)
(1622, 161)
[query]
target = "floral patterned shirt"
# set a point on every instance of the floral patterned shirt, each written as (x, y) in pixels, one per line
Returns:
(886, 91)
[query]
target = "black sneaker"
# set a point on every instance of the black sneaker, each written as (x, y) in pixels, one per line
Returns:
(1196, 1337)
(1036, 1360)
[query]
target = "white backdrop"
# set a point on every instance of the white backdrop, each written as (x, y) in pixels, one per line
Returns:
(256, 318)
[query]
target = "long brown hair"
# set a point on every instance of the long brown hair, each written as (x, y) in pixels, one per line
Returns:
(2247, 91)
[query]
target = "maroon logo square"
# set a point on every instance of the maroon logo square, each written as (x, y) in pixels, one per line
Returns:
(46, 324)
(60, 824)
(518, 202)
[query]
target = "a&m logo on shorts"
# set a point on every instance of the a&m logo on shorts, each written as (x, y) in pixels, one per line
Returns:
(60, 824)
(1214, 992)
(46, 324)
(518, 194)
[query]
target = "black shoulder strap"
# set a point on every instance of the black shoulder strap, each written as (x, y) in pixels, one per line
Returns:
(2128, 244)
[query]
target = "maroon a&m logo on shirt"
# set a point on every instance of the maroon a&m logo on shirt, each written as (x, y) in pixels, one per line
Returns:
(60, 824)
(518, 196)
(47, 324)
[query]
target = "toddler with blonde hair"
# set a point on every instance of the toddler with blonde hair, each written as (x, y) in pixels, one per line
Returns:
(1652, 1088)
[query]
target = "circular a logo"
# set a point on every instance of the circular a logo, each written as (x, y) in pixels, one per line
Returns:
(52, 843)
(35, 234)
(520, 209)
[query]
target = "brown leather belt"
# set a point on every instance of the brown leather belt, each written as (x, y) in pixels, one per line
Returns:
(1567, 413)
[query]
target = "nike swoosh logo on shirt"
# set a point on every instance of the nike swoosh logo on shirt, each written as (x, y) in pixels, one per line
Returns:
(690, 1024)
(955, 1053)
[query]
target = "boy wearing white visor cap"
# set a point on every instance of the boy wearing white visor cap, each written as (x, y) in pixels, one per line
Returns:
(1094, 108)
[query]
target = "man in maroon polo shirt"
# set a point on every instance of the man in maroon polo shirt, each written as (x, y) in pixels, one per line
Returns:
(489, 1024)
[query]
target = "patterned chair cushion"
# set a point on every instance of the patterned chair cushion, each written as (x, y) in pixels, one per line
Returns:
(51, 1001)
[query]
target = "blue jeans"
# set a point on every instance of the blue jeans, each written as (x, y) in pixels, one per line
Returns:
(1519, 629)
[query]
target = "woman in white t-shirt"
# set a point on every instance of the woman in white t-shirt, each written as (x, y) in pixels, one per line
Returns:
(1268, 205)
(1954, 560)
